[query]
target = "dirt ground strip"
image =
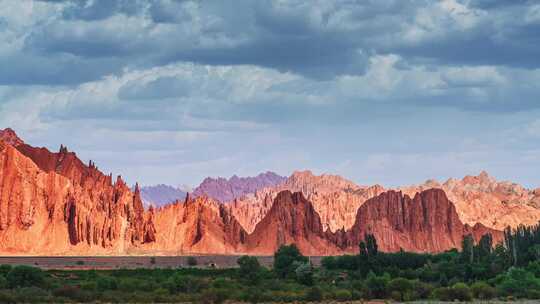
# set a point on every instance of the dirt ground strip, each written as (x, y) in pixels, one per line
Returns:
(131, 262)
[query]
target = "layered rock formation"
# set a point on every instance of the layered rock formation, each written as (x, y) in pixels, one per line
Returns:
(54, 204)
(196, 225)
(482, 199)
(160, 195)
(225, 190)
(51, 203)
(428, 222)
(291, 219)
(335, 199)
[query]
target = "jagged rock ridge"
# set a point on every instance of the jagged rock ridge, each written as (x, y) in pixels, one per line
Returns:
(225, 190)
(51, 203)
(334, 198)
(482, 199)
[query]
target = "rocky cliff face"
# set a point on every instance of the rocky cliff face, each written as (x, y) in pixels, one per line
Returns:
(482, 199)
(226, 190)
(51, 203)
(428, 222)
(197, 225)
(335, 199)
(54, 204)
(291, 219)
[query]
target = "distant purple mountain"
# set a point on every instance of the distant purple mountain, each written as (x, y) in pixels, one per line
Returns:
(226, 190)
(160, 195)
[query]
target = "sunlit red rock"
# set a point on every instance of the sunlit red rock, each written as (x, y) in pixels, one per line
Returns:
(482, 199)
(335, 199)
(51, 203)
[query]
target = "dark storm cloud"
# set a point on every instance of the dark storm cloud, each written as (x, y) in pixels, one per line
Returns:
(88, 40)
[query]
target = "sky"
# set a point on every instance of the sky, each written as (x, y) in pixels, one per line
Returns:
(385, 91)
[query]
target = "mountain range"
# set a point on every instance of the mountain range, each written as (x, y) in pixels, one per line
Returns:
(51, 203)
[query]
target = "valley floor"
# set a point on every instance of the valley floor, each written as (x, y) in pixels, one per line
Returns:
(133, 262)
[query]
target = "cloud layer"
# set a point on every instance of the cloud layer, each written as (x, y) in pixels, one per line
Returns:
(170, 91)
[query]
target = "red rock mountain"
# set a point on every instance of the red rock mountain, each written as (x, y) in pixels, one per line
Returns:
(426, 223)
(51, 203)
(482, 199)
(54, 204)
(200, 225)
(334, 198)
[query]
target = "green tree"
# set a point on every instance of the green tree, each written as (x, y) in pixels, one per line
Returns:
(25, 276)
(400, 286)
(284, 260)
(249, 268)
(377, 285)
(106, 283)
(314, 294)
(467, 249)
(304, 273)
(371, 245)
(483, 291)
(485, 246)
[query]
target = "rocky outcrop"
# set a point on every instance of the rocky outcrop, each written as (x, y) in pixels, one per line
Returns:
(197, 225)
(54, 204)
(160, 195)
(292, 219)
(428, 222)
(226, 190)
(9, 137)
(482, 199)
(51, 203)
(335, 199)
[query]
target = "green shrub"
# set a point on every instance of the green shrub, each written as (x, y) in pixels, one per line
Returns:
(72, 292)
(7, 296)
(249, 269)
(25, 276)
(304, 274)
(328, 262)
(254, 295)
(343, 295)
(285, 258)
(214, 296)
(422, 290)
(461, 292)
(458, 291)
(377, 285)
(183, 283)
(31, 294)
(106, 283)
(398, 287)
(443, 294)
(314, 294)
(3, 282)
(4, 269)
(482, 291)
